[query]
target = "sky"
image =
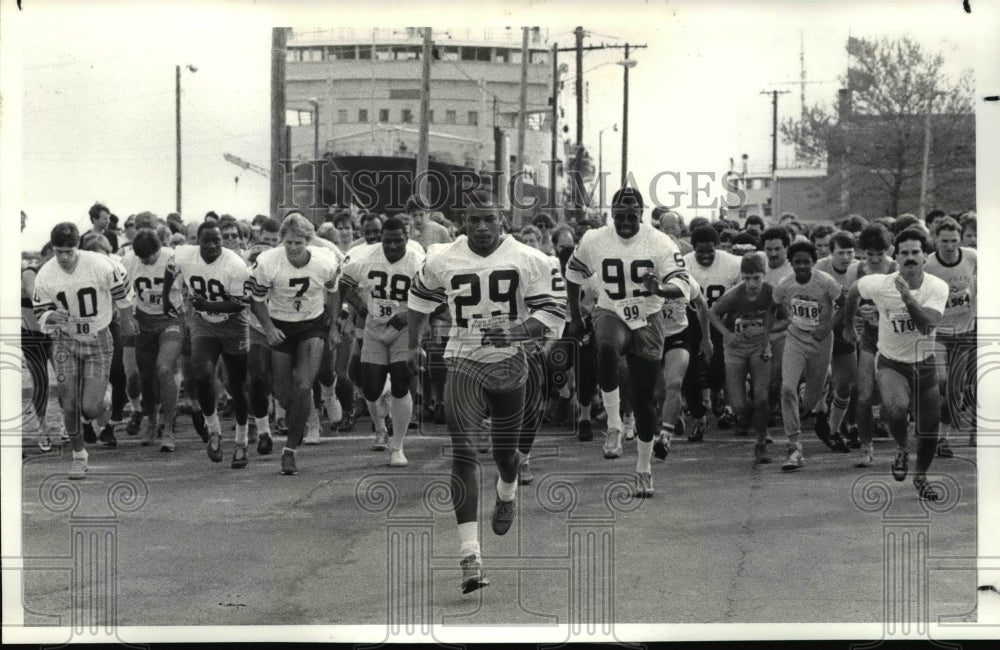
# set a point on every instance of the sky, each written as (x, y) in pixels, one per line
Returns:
(97, 88)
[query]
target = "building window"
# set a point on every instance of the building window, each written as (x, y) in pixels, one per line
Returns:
(383, 115)
(450, 117)
(362, 114)
(473, 118)
(341, 115)
(407, 116)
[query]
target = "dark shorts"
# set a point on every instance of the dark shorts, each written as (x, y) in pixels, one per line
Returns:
(869, 340)
(677, 341)
(919, 376)
(645, 342)
(842, 347)
(297, 331)
(157, 329)
(231, 333)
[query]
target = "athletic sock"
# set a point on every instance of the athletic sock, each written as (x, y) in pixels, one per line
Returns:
(262, 425)
(134, 402)
(838, 409)
(506, 491)
(288, 449)
(468, 536)
(241, 434)
(612, 404)
(400, 408)
(644, 451)
(80, 455)
(667, 429)
(212, 423)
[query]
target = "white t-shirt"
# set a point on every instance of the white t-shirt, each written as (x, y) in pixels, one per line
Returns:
(717, 279)
(898, 337)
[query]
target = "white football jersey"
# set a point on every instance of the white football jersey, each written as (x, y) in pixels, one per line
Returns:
(147, 282)
(898, 337)
(504, 289)
(225, 278)
(619, 265)
(88, 294)
(293, 293)
(960, 314)
(384, 286)
(717, 279)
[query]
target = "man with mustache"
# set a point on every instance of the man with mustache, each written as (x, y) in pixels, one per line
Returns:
(910, 305)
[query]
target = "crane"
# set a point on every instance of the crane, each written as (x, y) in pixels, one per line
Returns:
(239, 162)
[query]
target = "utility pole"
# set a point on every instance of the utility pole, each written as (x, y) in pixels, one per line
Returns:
(279, 41)
(576, 177)
(774, 146)
(518, 213)
(555, 120)
(177, 96)
(425, 103)
(627, 63)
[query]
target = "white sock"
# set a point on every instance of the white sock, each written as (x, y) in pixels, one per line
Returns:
(262, 425)
(400, 408)
(612, 404)
(564, 392)
(506, 491)
(468, 536)
(378, 416)
(80, 455)
(241, 434)
(134, 402)
(583, 413)
(288, 450)
(644, 452)
(328, 392)
(212, 423)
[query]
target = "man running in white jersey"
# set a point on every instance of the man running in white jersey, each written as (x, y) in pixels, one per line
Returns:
(160, 338)
(376, 279)
(910, 304)
(500, 293)
(74, 300)
(259, 356)
(716, 271)
(216, 278)
(956, 333)
(628, 320)
(293, 289)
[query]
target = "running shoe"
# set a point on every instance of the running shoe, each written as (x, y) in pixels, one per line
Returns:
(288, 463)
(925, 490)
(698, 435)
(214, 447)
(727, 419)
(312, 428)
(346, 424)
(901, 465)
(44, 441)
(240, 459)
(167, 443)
(795, 459)
(78, 469)
(148, 436)
(838, 444)
(397, 458)
(628, 428)
(613, 443)
(643, 485)
(381, 441)
(198, 420)
(661, 445)
(134, 421)
(944, 449)
(89, 435)
(264, 444)
(472, 574)
(760, 456)
(524, 475)
(503, 515)
(585, 433)
(107, 435)
(866, 456)
(822, 428)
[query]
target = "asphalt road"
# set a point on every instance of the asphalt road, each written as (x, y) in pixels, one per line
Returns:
(151, 538)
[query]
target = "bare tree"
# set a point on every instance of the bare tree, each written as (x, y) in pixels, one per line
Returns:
(874, 143)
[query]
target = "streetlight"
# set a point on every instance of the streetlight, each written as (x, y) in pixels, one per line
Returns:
(600, 157)
(627, 64)
(177, 105)
(315, 118)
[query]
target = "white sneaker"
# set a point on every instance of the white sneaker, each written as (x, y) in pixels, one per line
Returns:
(312, 428)
(795, 459)
(78, 469)
(628, 428)
(44, 441)
(334, 411)
(381, 441)
(397, 458)
(865, 457)
(613, 443)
